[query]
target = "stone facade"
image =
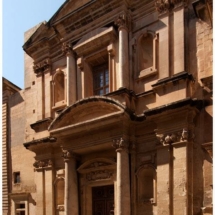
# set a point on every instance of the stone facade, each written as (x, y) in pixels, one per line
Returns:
(116, 114)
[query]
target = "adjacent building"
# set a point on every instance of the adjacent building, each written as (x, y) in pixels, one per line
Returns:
(116, 113)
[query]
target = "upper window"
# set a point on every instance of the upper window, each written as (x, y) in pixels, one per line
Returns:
(101, 80)
(147, 52)
(16, 177)
(146, 178)
(59, 97)
(59, 87)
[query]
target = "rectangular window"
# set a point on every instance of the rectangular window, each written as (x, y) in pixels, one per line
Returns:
(101, 80)
(16, 177)
(20, 208)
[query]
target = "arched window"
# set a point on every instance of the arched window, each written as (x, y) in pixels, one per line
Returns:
(59, 87)
(146, 182)
(59, 97)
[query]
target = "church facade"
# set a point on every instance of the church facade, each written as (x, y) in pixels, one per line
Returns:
(116, 113)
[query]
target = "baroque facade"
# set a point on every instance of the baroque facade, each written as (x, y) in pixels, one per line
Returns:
(116, 113)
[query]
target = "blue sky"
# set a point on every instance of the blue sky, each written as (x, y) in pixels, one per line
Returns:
(17, 18)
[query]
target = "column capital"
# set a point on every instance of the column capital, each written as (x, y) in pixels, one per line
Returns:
(120, 144)
(68, 155)
(122, 22)
(43, 164)
(67, 49)
(184, 135)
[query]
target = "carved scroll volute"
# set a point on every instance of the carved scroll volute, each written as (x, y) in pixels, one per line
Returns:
(120, 144)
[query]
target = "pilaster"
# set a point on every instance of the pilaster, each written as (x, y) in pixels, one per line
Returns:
(71, 184)
(123, 204)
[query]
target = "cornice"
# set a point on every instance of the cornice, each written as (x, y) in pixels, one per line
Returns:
(41, 125)
(193, 102)
(177, 77)
(49, 139)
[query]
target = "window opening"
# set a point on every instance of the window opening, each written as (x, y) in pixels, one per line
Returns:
(20, 208)
(16, 177)
(101, 80)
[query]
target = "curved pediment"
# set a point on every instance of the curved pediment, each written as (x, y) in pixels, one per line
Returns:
(97, 164)
(87, 110)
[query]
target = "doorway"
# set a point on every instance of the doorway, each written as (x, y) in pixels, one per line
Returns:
(103, 200)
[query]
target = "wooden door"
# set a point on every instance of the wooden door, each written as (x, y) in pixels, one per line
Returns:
(103, 200)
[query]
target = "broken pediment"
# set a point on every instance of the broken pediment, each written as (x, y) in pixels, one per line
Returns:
(68, 7)
(86, 111)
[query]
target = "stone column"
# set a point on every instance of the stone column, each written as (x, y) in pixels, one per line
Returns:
(123, 76)
(71, 184)
(71, 73)
(123, 178)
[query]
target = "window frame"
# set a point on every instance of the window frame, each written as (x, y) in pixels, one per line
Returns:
(104, 70)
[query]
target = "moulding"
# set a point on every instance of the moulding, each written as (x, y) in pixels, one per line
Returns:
(41, 125)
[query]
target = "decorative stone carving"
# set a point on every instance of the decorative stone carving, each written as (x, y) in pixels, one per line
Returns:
(67, 155)
(38, 164)
(60, 207)
(42, 66)
(120, 144)
(122, 22)
(99, 175)
(97, 164)
(166, 139)
(162, 6)
(66, 48)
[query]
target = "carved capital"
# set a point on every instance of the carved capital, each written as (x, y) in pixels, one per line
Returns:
(67, 155)
(162, 6)
(40, 164)
(122, 22)
(42, 66)
(174, 137)
(120, 144)
(67, 48)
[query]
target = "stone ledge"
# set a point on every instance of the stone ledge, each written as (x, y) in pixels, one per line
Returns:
(179, 76)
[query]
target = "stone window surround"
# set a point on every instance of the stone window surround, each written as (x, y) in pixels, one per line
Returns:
(140, 169)
(151, 70)
(87, 48)
(63, 103)
(20, 198)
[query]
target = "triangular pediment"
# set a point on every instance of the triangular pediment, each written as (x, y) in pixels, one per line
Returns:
(87, 111)
(41, 32)
(68, 7)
